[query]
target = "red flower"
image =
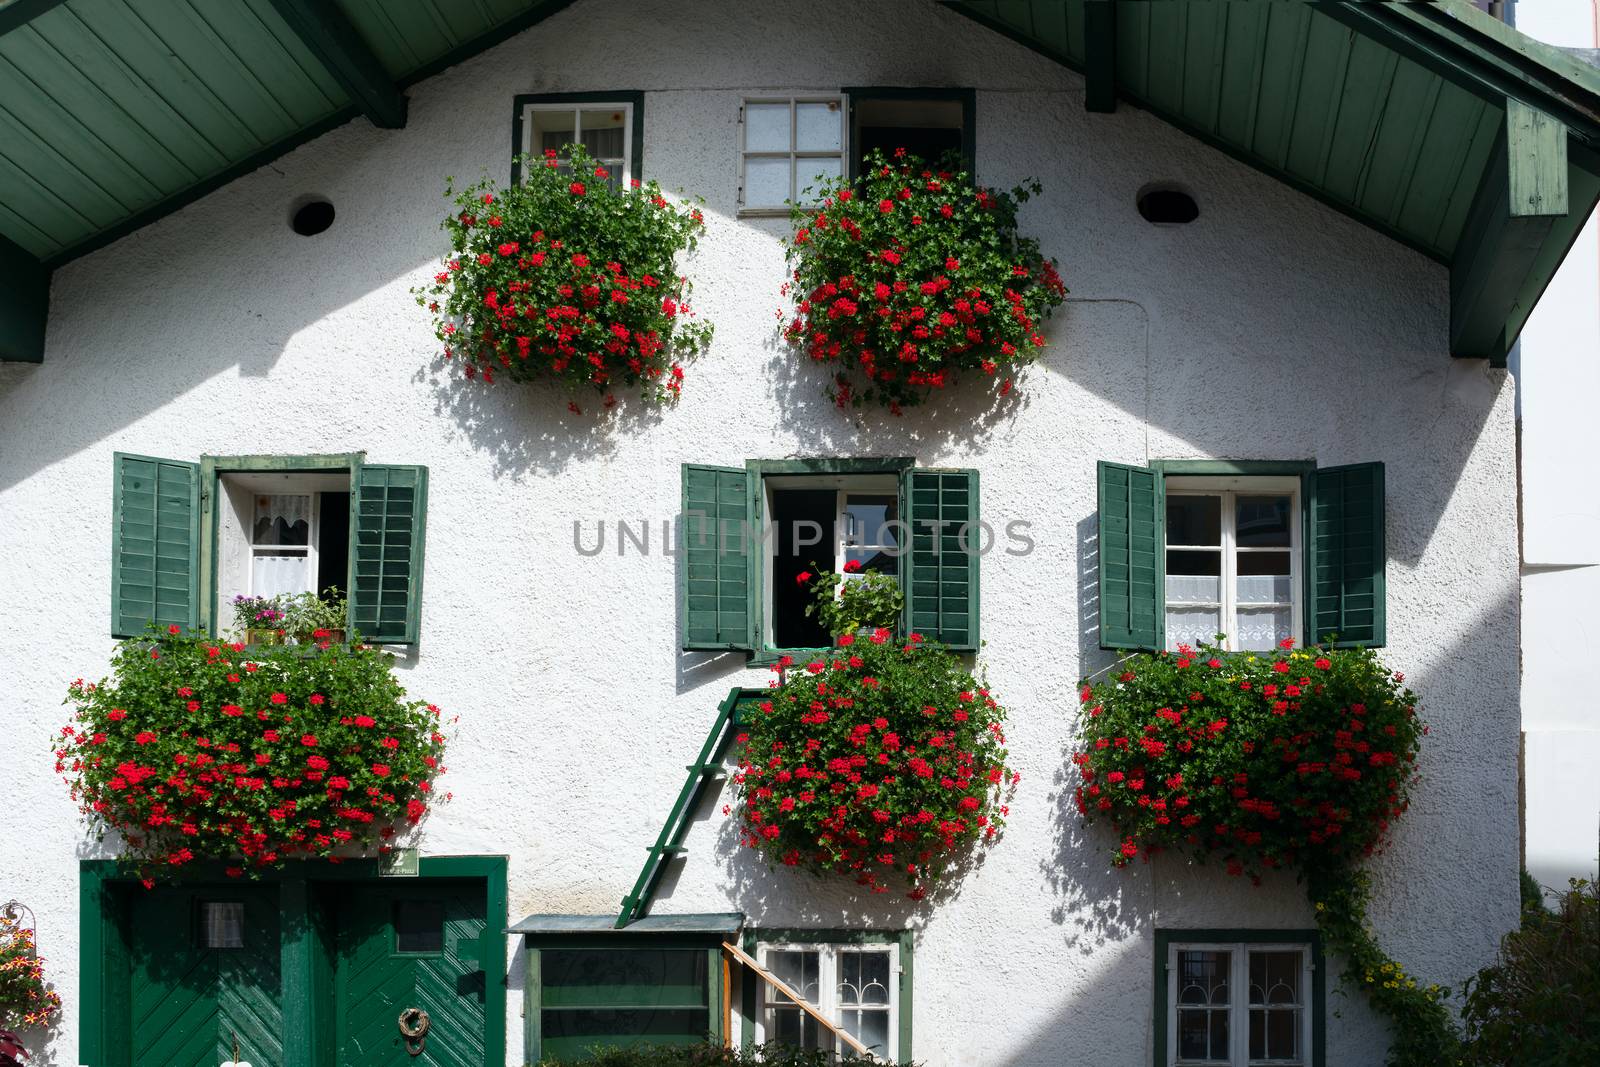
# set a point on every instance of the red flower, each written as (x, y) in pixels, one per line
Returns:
(308, 740)
(280, 698)
(576, 189)
(852, 566)
(381, 770)
(802, 578)
(143, 737)
(174, 630)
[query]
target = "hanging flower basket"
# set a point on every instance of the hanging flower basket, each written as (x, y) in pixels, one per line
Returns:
(193, 750)
(568, 277)
(910, 278)
(882, 761)
(26, 998)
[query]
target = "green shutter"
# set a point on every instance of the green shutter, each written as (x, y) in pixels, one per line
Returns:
(940, 573)
(1346, 555)
(1132, 557)
(388, 508)
(155, 540)
(719, 555)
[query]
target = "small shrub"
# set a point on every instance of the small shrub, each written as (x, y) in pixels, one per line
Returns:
(771, 1054)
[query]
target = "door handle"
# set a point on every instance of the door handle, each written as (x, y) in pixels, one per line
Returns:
(414, 1023)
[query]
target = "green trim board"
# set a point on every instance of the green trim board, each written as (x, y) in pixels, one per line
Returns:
(793, 935)
(105, 886)
(328, 34)
(636, 135)
(24, 304)
(1166, 937)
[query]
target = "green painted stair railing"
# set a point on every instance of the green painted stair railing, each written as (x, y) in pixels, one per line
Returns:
(702, 772)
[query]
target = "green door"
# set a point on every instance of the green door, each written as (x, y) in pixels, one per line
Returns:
(403, 946)
(204, 973)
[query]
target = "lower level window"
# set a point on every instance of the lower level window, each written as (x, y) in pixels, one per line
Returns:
(852, 984)
(1238, 1004)
(593, 998)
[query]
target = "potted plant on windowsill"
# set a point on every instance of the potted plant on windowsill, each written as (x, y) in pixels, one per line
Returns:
(311, 619)
(260, 619)
(854, 600)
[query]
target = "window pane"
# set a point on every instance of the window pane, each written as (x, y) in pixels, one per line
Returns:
(222, 924)
(811, 173)
(1264, 589)
(1184, 562)
(570, 1034)
(603, 132)
(766, 127)
(419, 926)
(871, 1028)
(1276, 563)
(1191, 626)
(639, 976)
(282, 519)
(551, 130)
(864, 978)
(867, 518)
(1203, 976)
(799, 970)
(273, 575)
(1193, 589)
(818, 127)
(766, 182)
(1263, 521)
(1283, 1033)
(1275, 977)
(1194, 520)
(1260, 629)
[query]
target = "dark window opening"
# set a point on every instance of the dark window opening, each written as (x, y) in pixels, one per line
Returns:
(800, 546)
(222, 924)
(934, 130)
(311, 219)
(419, 926)
(333, 546)
(1171, 207)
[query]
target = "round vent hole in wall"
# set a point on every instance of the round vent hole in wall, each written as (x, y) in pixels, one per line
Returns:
(1167, 205)
(312, 217)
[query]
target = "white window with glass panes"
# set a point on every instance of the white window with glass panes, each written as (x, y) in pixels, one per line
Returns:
(605, 130)
(1241, 1005)
(281, 534)
(854, 985)
(788, 145)
(1233, 561)
(848, 524)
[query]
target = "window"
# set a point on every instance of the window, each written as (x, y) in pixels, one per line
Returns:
(607, 125)
(1240, 1003)
(419, 927)
(748, 532)
(928, 123)
(221, 924)
(1232, 561)
(855, 984)
(825, 522)
(1259, 551)
(789, 144)
(188, 537)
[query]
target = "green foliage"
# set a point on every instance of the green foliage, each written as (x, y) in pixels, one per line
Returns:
(1532, 896)
(1539, 1002)
(879, 760)
(309, 618)
(710, 1055)
(193, 749)
(566, 276)
(910, 276)
(1297, 759)
(855, 600)
(26, 998)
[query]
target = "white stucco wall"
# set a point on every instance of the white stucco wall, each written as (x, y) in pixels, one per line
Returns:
(1271, 328)
(1557, 370)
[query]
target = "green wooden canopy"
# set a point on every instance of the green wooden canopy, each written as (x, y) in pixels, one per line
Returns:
(1433, 123)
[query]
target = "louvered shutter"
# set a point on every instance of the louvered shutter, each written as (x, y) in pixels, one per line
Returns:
(1346, 555)
(388, 507)
(1132, 557)
(155, 542)
(940, 574)
(718, 559)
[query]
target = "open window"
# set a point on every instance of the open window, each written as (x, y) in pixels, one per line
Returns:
(928, 123)
(187, 537)
(748, 533)
(610, 127)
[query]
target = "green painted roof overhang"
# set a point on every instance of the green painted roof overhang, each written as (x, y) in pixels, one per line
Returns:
(114, 113)
(1433, 123)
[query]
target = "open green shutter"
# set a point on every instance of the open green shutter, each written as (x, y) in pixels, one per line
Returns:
(1132, 557)
(1346, 555)
(155, 543)
(940, 573)
(389, 507)
(719, 554)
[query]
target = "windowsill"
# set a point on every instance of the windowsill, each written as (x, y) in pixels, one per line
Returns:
(761, 213)
(768, 657)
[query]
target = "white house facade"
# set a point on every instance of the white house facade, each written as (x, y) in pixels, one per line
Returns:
(1273, 337)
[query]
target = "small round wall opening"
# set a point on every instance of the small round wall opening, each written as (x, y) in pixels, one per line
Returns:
(1167, 205)
(312, 217)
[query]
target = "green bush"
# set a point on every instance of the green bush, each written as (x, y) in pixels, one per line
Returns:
(1539, 1003)
(709, 1055)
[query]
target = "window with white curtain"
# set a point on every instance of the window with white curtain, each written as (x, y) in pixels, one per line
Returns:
(1233, 561)
(603, 128)
(283, 544)
(855, 985)
(1239, 1005)
(788, 146)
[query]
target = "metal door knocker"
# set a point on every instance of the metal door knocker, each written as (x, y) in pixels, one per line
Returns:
(414, 1023)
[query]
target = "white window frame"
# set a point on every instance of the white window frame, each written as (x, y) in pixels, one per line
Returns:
(313, 536)
(794, 154)
(1239, 1001)
(828, 985)
(1229, 488)
(576, 109)
(844, 487)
